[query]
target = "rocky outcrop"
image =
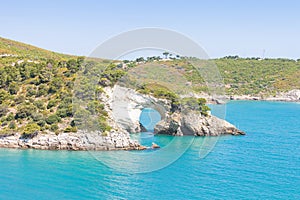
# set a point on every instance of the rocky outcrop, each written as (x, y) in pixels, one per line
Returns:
(193, 123)
(290, 96)
(72, 141)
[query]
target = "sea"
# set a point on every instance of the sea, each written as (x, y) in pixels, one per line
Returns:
(263, 164)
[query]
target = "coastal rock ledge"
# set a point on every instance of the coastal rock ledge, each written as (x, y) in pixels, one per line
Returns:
(72, 141)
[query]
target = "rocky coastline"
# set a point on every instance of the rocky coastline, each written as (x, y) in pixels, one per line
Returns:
(72, 141)
(124, 106)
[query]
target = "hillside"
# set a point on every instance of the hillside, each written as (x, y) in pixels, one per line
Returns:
(11, 48)
(247, 76)
(37, 86)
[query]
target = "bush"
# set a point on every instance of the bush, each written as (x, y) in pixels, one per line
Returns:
(4, 123)
(30, 130)
(19, 99)
(65, 112)
(13, 88)
(54, 127)
(191, 103)
(30, 91)
(81, 117)
(51, 104)
(71, 129)
(39, 104)
(25, 110)
(55, 85)
(41, 123)
(65, 109)
(37, 117)
(4, 95)
(3, 110)
(42, 90)
(12, 125)
(52, 119)
(103, 125)
(10, 116)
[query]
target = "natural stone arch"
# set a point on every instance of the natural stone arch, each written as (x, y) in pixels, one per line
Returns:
(127, 106)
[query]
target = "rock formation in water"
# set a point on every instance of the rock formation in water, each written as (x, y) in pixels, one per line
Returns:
(187, 122)
(193, 123)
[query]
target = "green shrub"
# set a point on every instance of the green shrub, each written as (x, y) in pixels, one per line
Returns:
(37, 117)
(12, 125)
(41, 123)
(30, 91)
(4, 123)
(53, 119)
(10, 116)
(70, 129)
(13, 88)
(54, 127)
(3, 110)
(19, 99)
(51, 104)
(25, 110)
(55, 85)
(191, 103)
(65, 109)
(39, 104)
(103, 125)
(4, 95)
(42, 90)
(30, 130)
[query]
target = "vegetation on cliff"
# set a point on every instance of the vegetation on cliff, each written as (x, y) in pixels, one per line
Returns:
(37, 86)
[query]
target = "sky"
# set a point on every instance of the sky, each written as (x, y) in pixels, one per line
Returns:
(248, 28)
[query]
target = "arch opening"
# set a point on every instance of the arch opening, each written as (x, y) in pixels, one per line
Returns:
(149, 117)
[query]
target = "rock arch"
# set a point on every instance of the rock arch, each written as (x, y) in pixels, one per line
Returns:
(127, 106)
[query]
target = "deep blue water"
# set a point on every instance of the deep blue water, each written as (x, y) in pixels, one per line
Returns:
(264, 164)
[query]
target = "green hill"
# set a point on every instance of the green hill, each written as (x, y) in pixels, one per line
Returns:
(37, 86)
(22, 50)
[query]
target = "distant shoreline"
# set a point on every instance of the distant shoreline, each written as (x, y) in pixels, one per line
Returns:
(291, 96)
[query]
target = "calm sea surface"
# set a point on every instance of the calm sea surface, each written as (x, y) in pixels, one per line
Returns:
(264, 164)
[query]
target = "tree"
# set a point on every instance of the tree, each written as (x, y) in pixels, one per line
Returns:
(166, 54)
(140, 59)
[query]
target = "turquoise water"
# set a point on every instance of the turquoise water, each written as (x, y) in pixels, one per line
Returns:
(149, 118)
(264, 164)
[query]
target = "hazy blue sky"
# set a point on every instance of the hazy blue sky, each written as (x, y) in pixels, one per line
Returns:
(221, 27)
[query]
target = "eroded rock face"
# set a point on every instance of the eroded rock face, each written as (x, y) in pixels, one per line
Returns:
(126, 107)
(193, 123)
